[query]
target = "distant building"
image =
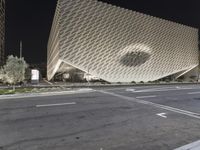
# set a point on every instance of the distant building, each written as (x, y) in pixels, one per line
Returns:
(119, 45)
(2, 31)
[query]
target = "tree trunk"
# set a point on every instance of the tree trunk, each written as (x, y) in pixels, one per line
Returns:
(13, 87)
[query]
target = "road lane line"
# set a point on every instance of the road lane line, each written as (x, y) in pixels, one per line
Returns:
(172, 109)
(160, 90)
(58, 104)
(193, 93)
(149, 96)
(191, 146)
(130, 90)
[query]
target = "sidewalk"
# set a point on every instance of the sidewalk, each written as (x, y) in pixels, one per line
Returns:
(41, 94)
(96, 85)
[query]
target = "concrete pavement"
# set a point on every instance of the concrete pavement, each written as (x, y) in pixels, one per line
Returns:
(44, 94)
(126, 118)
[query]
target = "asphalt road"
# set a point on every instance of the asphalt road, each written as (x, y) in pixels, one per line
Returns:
(127, 118)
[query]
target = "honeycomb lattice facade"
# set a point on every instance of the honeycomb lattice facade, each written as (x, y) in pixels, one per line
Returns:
(2, 30)
(119, 45)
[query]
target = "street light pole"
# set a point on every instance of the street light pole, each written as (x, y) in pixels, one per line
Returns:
(20, 50)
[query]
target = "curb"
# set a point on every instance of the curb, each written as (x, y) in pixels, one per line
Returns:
(45, 94)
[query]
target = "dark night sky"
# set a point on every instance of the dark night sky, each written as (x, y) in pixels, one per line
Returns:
(30, 21)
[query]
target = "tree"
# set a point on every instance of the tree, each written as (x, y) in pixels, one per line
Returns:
(27, 74)
(13, 71)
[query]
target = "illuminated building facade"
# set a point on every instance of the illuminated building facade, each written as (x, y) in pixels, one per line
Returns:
(119, 45)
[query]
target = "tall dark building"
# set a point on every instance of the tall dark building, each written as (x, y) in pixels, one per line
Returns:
(2, 31)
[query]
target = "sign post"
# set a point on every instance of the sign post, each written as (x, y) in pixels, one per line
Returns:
(35, 76)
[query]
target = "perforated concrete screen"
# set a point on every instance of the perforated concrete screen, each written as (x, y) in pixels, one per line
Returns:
(2, 30)
(119, 45)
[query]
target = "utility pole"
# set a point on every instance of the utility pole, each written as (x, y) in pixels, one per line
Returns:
(20, 50)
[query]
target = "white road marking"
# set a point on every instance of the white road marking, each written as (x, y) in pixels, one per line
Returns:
(193, 93)
(172, 109)
(162, 115)
(149, 96)
(161, 89)
(158, 89)
(191, 146)
(58, 104)
(130, 90)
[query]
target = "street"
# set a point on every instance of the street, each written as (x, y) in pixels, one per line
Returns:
(159, 117)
